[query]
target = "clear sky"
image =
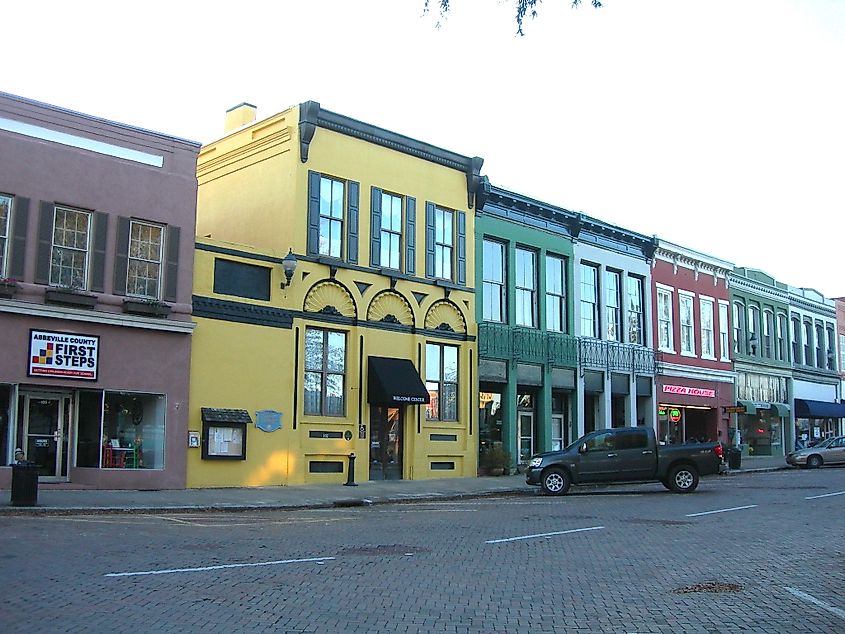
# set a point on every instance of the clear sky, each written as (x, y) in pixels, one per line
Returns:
(715, 124)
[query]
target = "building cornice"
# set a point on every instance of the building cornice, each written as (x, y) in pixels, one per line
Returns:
(574, 225)
(740, 283)
(48, 311)
(313, 116)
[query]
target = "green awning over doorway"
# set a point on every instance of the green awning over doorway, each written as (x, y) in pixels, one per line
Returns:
(749, 406)
(781, 409)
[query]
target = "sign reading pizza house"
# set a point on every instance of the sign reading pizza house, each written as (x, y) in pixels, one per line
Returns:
(690, 391)
(63, 355)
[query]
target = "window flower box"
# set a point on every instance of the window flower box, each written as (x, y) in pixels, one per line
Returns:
(146, 307)
(70, 297)
(8, 286)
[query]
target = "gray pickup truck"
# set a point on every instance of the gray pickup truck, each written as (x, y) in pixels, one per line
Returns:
(628, 454)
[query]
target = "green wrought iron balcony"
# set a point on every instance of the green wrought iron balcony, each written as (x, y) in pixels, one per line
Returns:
(501, 341)
(613, 355)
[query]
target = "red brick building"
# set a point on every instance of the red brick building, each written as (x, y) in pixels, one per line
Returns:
(692, 335)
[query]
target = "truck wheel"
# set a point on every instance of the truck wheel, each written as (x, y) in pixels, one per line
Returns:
(814, 462)
(683, 479)
(555, 481)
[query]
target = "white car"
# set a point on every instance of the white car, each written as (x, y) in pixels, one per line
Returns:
(830, 451)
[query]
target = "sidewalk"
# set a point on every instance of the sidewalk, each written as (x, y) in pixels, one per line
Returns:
(53, 500)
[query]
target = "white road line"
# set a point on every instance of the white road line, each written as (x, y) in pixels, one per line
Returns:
(808, 597)
(735, 508)
(514, 539)
(826, 495)
(220, 567)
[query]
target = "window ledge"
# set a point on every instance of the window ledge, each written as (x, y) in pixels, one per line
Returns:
(69, 297)
(692, 355)
(146, 307)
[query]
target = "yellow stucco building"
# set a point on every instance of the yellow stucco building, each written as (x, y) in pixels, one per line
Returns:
(334, 305)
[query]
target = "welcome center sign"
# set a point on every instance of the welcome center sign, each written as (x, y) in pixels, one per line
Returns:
(63, 355)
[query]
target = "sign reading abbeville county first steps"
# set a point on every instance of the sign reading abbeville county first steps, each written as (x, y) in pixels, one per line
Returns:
(63, 355)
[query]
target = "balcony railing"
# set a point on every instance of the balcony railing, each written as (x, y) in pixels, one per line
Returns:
(500, 341)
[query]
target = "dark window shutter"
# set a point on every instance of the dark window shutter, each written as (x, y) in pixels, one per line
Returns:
(20, 224)
(98, 252)
(171, 275)
(45, 243)
(353, 196)
(429, 239)
(410, 235)
(375, 226)
(462, 248)
(313, 213)
(121, 256)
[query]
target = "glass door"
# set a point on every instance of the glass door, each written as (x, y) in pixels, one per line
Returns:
(526, 436)
(385, 443)
(558, 441)
(45, 432)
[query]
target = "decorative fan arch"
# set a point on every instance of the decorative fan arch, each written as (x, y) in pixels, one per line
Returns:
(444, 315)
(330, 298)
(391, 307)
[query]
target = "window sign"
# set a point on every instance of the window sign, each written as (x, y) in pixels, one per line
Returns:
(63, 355)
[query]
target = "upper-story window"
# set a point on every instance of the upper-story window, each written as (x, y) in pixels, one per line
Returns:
(331, 216)
(780, 349)
(636, 316)
(808, 343)
(143, 274)
(526, 288)
(796, 339)
(612, 310)
(493, 282)
(820, 360)
(5, 215)
(325, 372)
(768, 333)
(706, 308)
(841, 353)
(687, 319)
(831, 348)
(441, 380)
(740, 345)
(724, 344)
(589, 300)
(443, 243)
(753, 327)
(71, 244)
(664, 320)
(391, 230)
(555, 293)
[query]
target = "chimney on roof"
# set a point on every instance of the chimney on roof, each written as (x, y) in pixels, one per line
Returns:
(240, 115)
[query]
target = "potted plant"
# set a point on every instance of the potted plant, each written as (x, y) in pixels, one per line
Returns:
(495, 460)
(70, 295)
(148, 307)
(8, 286)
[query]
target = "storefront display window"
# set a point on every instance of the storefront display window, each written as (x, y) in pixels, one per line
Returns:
(5, 402)
(489, 419)
(134, 422)
(120, 430)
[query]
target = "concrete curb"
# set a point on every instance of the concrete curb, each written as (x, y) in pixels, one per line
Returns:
(328, 503)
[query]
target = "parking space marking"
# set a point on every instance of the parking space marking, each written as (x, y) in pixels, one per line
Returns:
(538, 535)
(826, 495)
(810, 598)
(735, 508)
(218, 567)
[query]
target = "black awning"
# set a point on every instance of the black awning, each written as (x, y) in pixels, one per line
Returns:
(805, 408)
(219, 415)
(394, 382)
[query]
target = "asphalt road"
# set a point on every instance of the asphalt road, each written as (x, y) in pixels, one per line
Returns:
(752, 553)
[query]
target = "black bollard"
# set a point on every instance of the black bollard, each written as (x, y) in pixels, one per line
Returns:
(350, 477)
